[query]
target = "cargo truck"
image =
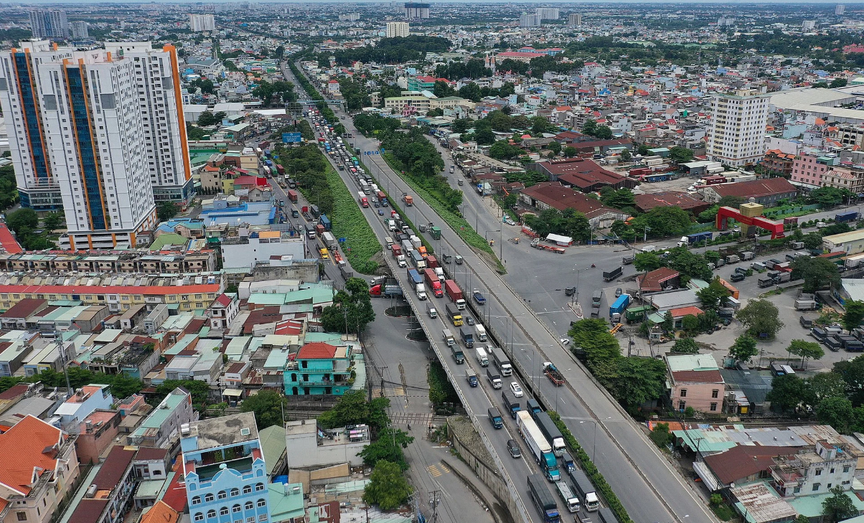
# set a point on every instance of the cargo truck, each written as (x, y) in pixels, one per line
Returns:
(431, 311)
(553, 435)
(540, 448)
(458, 355)
(454, 315)
(414, 277)
(388, 289)
(571, 502)
(765, 281)
(617, 309)
(408, 199)
(440, 272)
(417, 260)
(699, 237)
(478, 297)
(606, 515)
(467, 335)
(364, 201)
(747, 255)
(511, 403)
(585, 490)
(435, 232)
(397, 250)
(501, 361)
(482, 357)
(595, 299)
(480, 331)
(493, 377)
(471, 376)
(543, 499)
(325, 221)
(805, 305)
(420, 290)
(637, 314)
(553, 374)
(292, 195)
(495, 417)
(433, 282)
(844, 217)
(432, 262)
(455, 294)
(733, 258)
(448, 338)
(533, 407)
(613, 275)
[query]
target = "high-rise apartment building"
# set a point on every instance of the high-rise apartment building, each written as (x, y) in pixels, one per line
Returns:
(574, 20)
(548, 13)
(839, 9)
(96, 132)
(395, 29)
(416, 10)
(224, 469)
(49, 23)
(737, 135)
(198, 23)
(529, 20)
(79, 29)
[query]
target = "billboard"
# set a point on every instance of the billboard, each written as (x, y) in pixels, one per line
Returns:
(292, 137)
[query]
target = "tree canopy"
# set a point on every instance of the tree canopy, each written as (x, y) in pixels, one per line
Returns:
(817, 273)
(761, 318)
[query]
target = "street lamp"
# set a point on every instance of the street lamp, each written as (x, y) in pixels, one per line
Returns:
(645, 235)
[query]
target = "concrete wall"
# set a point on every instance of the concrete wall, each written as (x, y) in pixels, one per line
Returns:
(474, 453)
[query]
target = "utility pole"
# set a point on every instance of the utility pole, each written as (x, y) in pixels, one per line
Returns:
(434, 501)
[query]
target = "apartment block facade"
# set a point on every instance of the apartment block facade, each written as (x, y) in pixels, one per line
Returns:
(737, 134)
(319, 368)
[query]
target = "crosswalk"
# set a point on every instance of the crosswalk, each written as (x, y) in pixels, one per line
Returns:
(437, 470)
(417, 418)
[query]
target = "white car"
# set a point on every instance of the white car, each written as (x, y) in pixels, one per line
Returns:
(564, 341)
(517, 389)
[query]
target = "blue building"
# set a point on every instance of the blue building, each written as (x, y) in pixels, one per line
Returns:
(226, 478)
(319, 368)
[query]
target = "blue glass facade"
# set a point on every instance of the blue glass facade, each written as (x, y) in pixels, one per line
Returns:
(86, 150)
(31, 119)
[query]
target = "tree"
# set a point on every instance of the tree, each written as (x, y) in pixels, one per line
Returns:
(828, 196)
(638, 381)
(744, 348)
(589, 127)
(788, 393)
(166, 211)
(802, 519)
(626, 156)
(460, 125)
(268, 406)
(620, 199)
(53, 220)
(713, 297)
(685, 346)
(812, 241)
(805, 349)
(852, 372)
(484, 137)
(387, 487)
(826, 385)
(661, 435)
(502, 150)
(837, 412)
(853, 315)
(681, 154)
(207, 118)
(351, 310)
(22, 221)
(838, 506)
(816, 273)
(388, 447)
(761, 318)
(555, 147)
(123, 386)
(731, 201)
(664, 221)
(689, 263)
(647, 261)
(570, 151)
(351, 409)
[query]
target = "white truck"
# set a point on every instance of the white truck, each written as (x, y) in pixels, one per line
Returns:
(481, 332)
(502, 362)
(420, 289)
(440, 273)
(570, 500)
(431, 311)
(401, 261)
(482, 357)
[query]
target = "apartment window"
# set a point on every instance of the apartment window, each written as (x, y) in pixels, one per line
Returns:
(208, 498)
(196, 500)
(22, 516)
(683, 393)
(249, 505)
(262, 503)
(236, 508)
(715, 393)
(816, 487)
(247, 489)
(818, 472)
(845, 468)
(211, 514)
(682, 405)
(222, 494)
(262, 517)
(199, 516)
(259, 487)
(223, 511)
(714, 407)
(831, 470)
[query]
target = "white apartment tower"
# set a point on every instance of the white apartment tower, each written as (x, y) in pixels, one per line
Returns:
(574, 20)
(395, 29)
(49, 23)
(89, 131)
(839, 9)
(529, 20)
(199, 23)
(548, 13)
(737, 135)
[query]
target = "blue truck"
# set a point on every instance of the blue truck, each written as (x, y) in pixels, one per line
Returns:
(495, 417)
(844, 217)
(325, 221)
(415, 277)
(699, 237)
(533, 407)
(511, 403)
(617, 309)
(543, 499)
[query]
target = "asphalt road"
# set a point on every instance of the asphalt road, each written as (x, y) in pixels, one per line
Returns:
(642, 478)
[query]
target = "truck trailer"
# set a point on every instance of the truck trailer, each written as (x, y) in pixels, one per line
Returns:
(617, 309)
(585, 490)
(553, 435)
(543, 499)
(455, 294)
(613, 274)
(540, 448)
(454, 314)
(502, 362)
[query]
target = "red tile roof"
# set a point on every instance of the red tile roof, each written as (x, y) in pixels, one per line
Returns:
(698, 376)
(223, 300)
(743, 461)
(685, 311)
(13, 392)
(652, 281)
(148, 290)
(150, 454)
(556, 195)
(8, 242)
(175, 496)
(25, 448)
(160, 512)
(316, 351)
(195, 325)
(755, 188)
(581, 173)
(682, 200)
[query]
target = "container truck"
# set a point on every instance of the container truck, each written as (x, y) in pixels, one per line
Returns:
(448, 337)
(540, 448)
(435, 232)
(325, 221)
(414, 277)
(406, 245)
(408, 199)
(433, 282)
(637, 314)
(617, 309)
(482, 357)
(471, 376)
(553, 435)
(501, 361)
(467, 336)
(292, 195)
(415, 241)
(420, 290)
(585, 490)
(431, 311)
(480, 331)
(364, 201)
(511, 403)
(543, 499)
(748, 255)
(329, 240)
(417, 260)
(493, 377)
(848, 216)
(458, 355)
(397, 250)
(571, 502)
(455, 294)
(388, 289)
(454, 315)
(699, 237)
(495, 417)
(432, 262)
